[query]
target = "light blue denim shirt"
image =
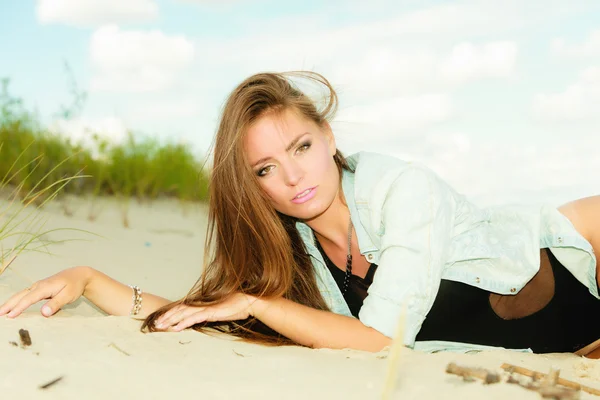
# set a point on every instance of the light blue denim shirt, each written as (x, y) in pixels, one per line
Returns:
(418, 230)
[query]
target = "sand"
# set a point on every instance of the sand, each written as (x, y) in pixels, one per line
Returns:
(102, 357)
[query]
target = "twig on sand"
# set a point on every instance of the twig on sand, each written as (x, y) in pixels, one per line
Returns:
(25, 337)
(51, 383)
(469, 373)
(114, 346)
(547, 390)
(543, 377)
(394, 357)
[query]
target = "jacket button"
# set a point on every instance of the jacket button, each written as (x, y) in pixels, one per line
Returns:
(370, 257)
(512, 290)
(477, 280)
(560, 239)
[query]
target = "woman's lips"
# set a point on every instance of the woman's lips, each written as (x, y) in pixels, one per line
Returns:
(305, 197)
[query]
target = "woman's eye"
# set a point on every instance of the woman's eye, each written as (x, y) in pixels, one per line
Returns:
(304, 147)
(264, 171)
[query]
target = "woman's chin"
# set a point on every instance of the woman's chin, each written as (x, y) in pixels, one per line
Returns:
(311, 213)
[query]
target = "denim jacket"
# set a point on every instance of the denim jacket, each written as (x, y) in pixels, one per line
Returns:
(418, 230)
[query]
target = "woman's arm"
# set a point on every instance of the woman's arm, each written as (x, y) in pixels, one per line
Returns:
(70, 284)
(302, 324)
(418, 213)
(115, 298)
(316, 328)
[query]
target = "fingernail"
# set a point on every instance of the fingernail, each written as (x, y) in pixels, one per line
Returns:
(46, 311)
(10, 314)
(158, 325)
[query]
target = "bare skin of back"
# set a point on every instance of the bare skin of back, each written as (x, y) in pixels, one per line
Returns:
(584, 214)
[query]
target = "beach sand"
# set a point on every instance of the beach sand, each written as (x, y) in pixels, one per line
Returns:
(102, 357)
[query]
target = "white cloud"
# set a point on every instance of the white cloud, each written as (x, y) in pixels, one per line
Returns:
(579, 101)
(589, 48)
(552, 172)
(137, 61)
(468, 61)
(389, 69)
(398, 117)
(385, 69)
(492, 171)
(91, 13)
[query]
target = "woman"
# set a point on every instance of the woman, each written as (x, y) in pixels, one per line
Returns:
(308, 247)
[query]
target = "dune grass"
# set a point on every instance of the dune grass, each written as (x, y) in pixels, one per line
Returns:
(139, 167)
(21, 224)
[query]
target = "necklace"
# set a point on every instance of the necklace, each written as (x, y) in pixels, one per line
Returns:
(348, 260)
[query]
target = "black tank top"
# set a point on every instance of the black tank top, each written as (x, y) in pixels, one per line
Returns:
(462, 313)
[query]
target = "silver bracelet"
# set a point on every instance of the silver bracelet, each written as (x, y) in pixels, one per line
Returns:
(136, 298)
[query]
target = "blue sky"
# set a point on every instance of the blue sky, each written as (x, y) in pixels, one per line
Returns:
(502, 99)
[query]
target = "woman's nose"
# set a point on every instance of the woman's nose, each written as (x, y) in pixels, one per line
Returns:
(293, 174)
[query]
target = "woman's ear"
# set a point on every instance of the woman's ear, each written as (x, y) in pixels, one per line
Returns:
(330, 138)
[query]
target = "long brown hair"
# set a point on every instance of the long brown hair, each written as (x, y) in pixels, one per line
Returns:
(250, 247)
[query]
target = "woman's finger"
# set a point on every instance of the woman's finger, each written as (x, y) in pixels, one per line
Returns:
(12, 301)
(31, 297)
(181, 314)
(58, 301)
(190, 320)
(167, 315)
(178, 315)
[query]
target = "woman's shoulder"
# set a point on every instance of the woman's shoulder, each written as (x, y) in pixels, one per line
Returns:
(376, 172)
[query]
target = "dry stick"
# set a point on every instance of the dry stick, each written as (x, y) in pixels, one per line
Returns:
(51, 383)
(546, 391)
(394, 357)
(552, 377)
(114, 346)
(469, 373)
(539, 375)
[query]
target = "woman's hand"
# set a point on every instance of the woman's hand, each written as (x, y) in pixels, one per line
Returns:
(63, 288)
(236, 307)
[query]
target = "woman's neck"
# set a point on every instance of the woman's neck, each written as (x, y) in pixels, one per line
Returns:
(332, 225)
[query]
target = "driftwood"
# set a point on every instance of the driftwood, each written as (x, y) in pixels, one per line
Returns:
(549, 385)
(539, 376)
(470, 374)
(547, 390)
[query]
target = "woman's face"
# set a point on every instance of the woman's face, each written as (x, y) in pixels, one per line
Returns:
(293, 160)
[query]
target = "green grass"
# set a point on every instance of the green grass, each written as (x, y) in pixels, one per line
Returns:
(21, 224)
(140, 168)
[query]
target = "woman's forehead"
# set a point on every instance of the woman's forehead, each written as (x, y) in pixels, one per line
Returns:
(277, 126)
(274, 132)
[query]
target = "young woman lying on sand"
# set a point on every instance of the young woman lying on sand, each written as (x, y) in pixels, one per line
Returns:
(308, 247)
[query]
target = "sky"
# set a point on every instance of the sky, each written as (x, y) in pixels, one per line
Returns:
(500, 98)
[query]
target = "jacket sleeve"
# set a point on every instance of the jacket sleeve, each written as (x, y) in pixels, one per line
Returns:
(417, 216)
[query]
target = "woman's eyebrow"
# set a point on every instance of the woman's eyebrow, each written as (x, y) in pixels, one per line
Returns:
(288, 148)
